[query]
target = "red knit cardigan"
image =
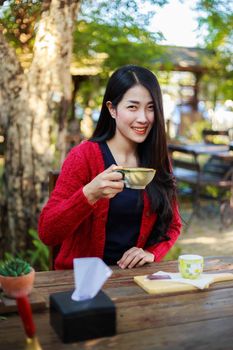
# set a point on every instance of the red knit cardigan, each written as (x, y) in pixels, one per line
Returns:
(68, 219)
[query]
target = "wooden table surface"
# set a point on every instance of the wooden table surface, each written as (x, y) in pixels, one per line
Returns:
(191, 320)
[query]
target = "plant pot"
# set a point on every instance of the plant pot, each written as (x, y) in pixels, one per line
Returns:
(19, 286)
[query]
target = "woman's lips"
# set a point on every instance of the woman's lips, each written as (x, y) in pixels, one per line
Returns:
(140, 131)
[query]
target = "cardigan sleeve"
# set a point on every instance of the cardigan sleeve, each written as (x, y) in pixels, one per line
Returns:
(161, 249)
(67, 206)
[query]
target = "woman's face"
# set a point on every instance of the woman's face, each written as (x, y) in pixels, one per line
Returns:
(134, 114)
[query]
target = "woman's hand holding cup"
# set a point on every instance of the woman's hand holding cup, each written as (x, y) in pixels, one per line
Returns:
(105, 185)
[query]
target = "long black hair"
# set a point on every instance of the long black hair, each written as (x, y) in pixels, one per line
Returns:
(153, 152)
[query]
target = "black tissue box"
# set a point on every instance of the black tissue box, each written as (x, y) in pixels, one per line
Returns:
(82, 320)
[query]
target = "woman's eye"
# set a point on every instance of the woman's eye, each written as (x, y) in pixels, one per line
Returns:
(132, 107)
(151, 107)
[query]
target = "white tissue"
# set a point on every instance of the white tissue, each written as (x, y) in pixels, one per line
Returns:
(201, 282)
(89, 276)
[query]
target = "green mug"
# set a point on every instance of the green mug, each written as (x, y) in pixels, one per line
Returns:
(190, 265)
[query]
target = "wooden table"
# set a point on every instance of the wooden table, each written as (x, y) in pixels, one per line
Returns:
(199, 148)
(193, 320)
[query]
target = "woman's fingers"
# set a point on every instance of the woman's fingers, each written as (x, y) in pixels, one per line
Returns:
(105, 185)
(112, 174)
(148, 258)
(135, 257)
(131, 256)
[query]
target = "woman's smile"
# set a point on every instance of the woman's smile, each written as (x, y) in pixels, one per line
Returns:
(140, 130)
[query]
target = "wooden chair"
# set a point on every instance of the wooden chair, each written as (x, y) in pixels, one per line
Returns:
(53, 250)
(215, 172)
(53, 176)
(186, 169)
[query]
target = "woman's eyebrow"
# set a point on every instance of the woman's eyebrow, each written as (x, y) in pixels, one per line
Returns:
(137, 102)
(132, 101)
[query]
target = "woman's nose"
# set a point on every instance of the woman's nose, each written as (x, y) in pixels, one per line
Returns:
(142, 116)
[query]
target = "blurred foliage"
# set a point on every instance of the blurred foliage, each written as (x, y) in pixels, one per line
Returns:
(107, 35)
(194, 132)
(114, 32)
(9, 256)
(174, 253)
(107, 47)
(18, 19)
(215, 18)
(120, 12)
(111, 46)
(111, 34)
(38, 257)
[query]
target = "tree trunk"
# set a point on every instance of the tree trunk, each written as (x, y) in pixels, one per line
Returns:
(34, 108)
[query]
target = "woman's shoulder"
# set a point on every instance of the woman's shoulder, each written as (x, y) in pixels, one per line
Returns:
(82, 154)
(86, 151)
(85, 146)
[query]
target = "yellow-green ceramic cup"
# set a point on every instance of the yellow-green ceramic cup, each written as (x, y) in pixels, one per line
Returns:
(137, 178)
(190, 265)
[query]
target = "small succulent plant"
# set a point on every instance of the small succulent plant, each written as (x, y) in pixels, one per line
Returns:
(15, 267)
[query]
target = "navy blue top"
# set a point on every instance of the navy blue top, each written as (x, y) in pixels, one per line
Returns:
(124, 217)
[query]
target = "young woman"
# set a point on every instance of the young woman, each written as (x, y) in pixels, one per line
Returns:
(90, 213)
